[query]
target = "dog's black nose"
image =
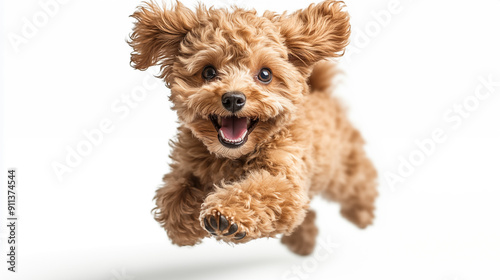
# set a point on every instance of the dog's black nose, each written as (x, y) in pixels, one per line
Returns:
(233, 101)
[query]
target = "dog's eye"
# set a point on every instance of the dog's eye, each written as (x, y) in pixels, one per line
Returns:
(209, 73)
(265, 75)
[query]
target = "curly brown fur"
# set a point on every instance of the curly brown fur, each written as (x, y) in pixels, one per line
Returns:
(301, 144)
(303, 239)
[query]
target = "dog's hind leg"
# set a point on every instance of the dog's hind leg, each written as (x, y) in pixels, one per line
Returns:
(303, 240)
(355, 187)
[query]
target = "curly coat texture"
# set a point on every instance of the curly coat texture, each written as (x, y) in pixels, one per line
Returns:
(302, 146)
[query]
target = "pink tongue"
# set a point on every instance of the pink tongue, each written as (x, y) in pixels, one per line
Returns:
(233, 127)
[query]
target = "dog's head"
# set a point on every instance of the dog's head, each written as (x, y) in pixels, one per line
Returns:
(236, 78)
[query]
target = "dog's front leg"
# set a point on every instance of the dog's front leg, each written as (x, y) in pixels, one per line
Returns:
(178, 205)
(266, 202)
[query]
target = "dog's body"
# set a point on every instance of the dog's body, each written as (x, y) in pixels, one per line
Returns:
(260, 134)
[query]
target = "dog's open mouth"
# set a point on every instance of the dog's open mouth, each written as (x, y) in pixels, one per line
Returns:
(233, 131)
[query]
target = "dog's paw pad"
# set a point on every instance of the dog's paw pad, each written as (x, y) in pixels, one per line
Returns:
(240, 236)
(219, 225)
(232, 229)
(208, 227)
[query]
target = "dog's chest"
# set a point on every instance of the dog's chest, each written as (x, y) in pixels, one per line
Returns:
(230, 171)
(227, 171)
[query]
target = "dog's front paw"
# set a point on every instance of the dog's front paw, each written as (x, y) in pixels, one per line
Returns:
(237, 216)
(220, 226)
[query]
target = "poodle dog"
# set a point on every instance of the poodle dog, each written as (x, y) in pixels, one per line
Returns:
(259, 133)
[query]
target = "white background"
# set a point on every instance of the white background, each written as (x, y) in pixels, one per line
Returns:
(403, 74)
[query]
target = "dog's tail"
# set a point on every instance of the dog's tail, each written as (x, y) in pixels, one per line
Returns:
(322, 75)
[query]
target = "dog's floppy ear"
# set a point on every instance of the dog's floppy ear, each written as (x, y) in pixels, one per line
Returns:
(157, 35)
(318, 32)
